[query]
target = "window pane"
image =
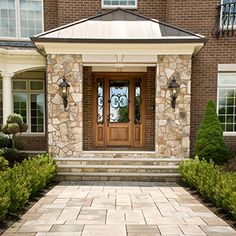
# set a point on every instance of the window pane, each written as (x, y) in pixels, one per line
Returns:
(20, 105)
(7, 18)
(119, 101)
(227, 79)
(137, 102)
(30, 17)
(228, 13)
(19, 85)
(119, 2)
(37, 112)
(100, 102)
(227, 109)
(227, 104)
(36, 85)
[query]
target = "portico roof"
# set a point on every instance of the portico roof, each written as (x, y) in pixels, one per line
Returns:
(119, 26)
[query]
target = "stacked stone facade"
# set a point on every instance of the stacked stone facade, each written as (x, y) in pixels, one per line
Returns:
(173, 125)
(65, 126)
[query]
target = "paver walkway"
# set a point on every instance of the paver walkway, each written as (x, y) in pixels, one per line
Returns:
(119, 209)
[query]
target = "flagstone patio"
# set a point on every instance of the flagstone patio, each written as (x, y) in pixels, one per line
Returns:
(119, 209)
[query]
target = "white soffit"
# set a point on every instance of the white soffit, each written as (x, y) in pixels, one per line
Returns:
(119, 48)
(124, 68)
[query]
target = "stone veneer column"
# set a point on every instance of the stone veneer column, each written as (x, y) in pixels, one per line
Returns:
(172, 134)
(65, 127)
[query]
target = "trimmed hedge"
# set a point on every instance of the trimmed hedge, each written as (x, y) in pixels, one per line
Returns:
(23, 181)
(212, 182)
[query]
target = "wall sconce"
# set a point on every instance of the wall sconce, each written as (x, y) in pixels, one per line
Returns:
(64, 91)
(174, 91)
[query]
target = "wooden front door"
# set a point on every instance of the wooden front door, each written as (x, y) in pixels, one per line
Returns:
(118, 104)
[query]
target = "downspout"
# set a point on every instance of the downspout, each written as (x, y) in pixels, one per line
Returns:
(44, 55)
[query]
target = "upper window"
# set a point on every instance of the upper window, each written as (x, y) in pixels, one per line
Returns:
(119, 3)
(228, 13)
(227, 101)
(21, 18)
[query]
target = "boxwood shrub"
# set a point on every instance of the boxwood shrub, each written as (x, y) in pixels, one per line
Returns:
(212, 182)
(23, 181)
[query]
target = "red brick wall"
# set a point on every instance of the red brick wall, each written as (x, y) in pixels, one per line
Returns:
(87, 108)
(200, 18)
(150, 108)
(50, 14)
(61, 12)
(33, 143)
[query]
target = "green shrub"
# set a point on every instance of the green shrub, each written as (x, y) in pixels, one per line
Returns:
(210, 141)
(212, 182)
(23, 181)
(20, 190)
(3, 164)
(14, 126)
(15, 118)
(4, 141)
(13, 156)
(4, 196)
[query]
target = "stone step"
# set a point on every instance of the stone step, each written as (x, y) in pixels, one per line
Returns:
(120, 161)
(159, 177)
(117, 169)
(119, 154)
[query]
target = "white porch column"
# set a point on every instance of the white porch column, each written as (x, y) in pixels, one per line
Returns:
(7, 95)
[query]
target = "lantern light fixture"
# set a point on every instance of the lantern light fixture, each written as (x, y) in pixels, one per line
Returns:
(174, 91)
(64, 88)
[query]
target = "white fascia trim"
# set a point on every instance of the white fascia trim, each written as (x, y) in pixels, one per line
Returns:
(13, 61)
(226, 67)
(114, 68)
(120, 48)
(18, 52)
(228, 134)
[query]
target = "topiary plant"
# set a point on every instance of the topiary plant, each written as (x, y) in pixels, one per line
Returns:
(5, 142)
(14, 126)
(210, 141)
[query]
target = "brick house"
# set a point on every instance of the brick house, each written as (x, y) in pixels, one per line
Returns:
(120, 59)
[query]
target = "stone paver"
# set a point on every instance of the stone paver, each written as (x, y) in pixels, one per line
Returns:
(119, 209)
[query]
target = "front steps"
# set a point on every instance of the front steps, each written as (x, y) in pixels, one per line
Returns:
(118, 169)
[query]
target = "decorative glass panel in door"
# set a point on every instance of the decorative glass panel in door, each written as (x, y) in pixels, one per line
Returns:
(118, 119)
(119, 101)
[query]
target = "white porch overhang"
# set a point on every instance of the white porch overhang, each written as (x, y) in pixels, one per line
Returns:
(13, 61)
(119, 37)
